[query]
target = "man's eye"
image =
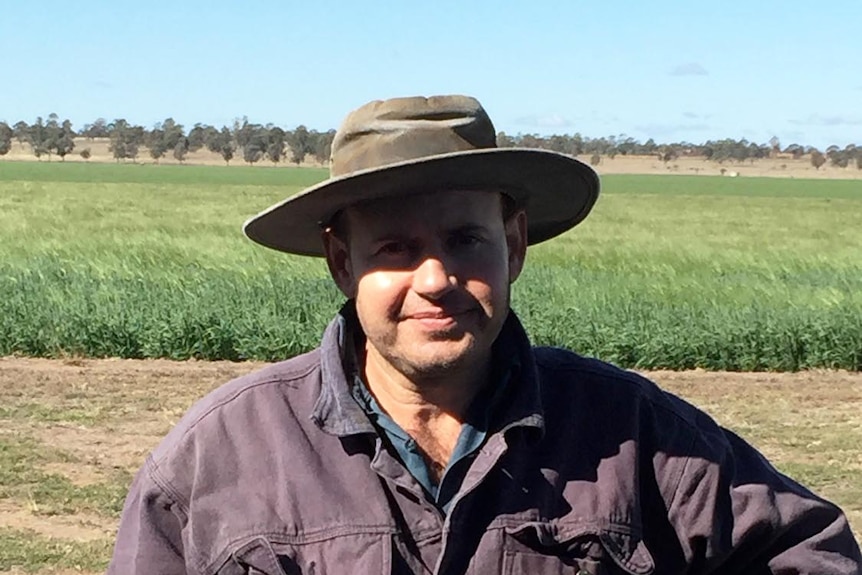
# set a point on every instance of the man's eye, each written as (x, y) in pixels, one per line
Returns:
(465, 240)
(392, 248)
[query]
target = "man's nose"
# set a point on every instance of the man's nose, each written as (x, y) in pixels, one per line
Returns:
(433, 278)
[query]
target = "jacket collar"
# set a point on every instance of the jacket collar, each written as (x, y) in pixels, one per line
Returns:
(336, 411)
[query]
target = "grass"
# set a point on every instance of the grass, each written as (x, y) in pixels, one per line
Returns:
(122, 173)
(719, 186)
(23, 480)
(668, 272)
(28, 551)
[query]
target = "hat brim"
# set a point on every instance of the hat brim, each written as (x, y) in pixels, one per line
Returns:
(556, 190)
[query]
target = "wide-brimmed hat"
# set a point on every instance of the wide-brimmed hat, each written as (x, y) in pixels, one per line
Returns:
(416, 145)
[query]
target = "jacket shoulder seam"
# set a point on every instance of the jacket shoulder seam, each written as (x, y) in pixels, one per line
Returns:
(275, 379)
(628, 378)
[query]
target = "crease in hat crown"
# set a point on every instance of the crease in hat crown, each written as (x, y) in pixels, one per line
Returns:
(387, 132)
(403, 146)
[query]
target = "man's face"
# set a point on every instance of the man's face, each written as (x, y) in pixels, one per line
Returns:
(430, 275)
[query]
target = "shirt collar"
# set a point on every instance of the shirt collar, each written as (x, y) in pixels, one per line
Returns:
(517, 405)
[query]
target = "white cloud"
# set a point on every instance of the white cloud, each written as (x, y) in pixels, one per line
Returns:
(818, 120)
(549, 121)
(688, 69)
(664, 130)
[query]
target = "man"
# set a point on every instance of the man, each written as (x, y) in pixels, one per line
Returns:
(426, 435)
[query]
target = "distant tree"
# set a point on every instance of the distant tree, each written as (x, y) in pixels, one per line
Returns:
(65, 142)
(126, 140)
(577, 145)
(251, 154)
(181, 149)
(156, 144)
(275, 152)
(504, 140)
(21, 131)
(227, 154)
(134, 140)
(117, 145)
(52, 133)
(667, 153)
(298, 141)
(859, 161)
(756, 152)
(257, 143)
(839, 159)
(199, 135)
(627, 146)
(795, 150)
(817, 159)
(222, 143)
(98, 129)
(214, 140)
(647, 149)
(595, 159)
(5, 138)
(85, 153)
(531, 141)
(275, 144)
(165, 136)
(323, 146)
(173, 133)
(740, 151)
(38, 138)
(774, 146)
(243, 131)
(558, 144)
(228, 146)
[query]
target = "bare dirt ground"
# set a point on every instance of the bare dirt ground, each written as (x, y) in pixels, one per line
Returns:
(104, 416)
(779, 167)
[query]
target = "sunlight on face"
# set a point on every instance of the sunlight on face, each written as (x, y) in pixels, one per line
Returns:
(431, 277)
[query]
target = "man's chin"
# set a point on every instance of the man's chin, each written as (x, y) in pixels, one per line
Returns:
(440, 362)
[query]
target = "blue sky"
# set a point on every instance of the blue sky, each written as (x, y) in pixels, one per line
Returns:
(670, 70)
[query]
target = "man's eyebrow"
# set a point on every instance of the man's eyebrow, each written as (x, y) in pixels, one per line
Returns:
(390, 237)
(466, 228)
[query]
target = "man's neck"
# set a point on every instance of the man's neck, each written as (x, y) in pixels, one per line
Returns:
(430, 409)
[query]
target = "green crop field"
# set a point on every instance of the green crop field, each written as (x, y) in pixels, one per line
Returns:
(669, 271)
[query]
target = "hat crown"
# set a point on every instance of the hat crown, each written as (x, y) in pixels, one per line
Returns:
(386, 132)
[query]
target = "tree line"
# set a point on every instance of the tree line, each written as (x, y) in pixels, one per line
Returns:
(255, 142)
(126, 142)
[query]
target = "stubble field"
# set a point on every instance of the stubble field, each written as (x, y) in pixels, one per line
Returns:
(139, 261)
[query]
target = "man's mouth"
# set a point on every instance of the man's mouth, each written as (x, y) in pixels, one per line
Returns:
(438, 320)
(437, 314)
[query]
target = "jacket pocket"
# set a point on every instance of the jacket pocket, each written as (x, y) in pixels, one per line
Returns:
(540, 547)
(255, 557)
(341, 553)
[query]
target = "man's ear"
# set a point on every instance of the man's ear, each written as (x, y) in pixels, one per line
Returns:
(338, 260)
(516, 239)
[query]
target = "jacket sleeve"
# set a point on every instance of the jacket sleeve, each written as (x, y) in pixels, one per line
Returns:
(735, 513)
(149, 539)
